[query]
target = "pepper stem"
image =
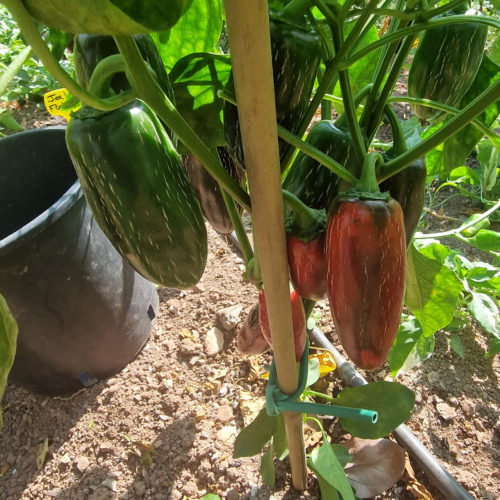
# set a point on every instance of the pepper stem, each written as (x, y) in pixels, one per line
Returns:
(100, 80)
(307, 222)
(368, 180)
(399, 145)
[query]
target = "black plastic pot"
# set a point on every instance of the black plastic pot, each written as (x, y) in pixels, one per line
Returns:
(83, 312)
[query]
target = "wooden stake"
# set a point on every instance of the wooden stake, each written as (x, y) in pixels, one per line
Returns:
(249, 41)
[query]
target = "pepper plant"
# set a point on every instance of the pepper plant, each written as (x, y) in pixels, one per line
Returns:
(158, 81)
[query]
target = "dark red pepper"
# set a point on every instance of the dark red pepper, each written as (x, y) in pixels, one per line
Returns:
(365, 269)
(250, 338)
(305, 236)
(298, 320)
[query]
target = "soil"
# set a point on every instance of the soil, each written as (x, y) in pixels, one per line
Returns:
(164, 427)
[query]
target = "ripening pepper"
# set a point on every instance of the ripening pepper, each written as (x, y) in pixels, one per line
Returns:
(305, 237)
(298, 321)
(139, 192)
(445, 64)
(365, 256)
(407, 187)
(250, 338)
(296, 52)
(208, 190)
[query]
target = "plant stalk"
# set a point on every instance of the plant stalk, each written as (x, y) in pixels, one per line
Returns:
(148, 89)
(248, 26)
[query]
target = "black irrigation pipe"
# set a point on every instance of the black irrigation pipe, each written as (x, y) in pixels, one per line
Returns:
(434, 471)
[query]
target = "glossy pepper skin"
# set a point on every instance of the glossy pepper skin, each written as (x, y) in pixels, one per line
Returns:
(305, 236)
(298, 320)
(365, 275)
(408, 189)
(208, 190)
(445, 64)
(296, 52)
(311, 182)
(139, 192)
(250, 338)
(89, 50)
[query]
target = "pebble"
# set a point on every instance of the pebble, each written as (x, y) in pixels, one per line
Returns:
(55, 493)
(232, 495)
(188, 347)
(225, 414)
(140, 488)
(82, 464)
(446, 412)
(110, 483)
(229, 317)
(226, 433)
(214, 341)
(433, 377)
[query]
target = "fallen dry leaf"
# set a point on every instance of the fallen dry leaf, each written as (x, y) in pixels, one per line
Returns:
(417, 489)
(41, 452)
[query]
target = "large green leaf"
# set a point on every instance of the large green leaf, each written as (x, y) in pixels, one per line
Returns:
(8, 340)
(267, 466)
(197, 31)
(252, 438)
(484, 310)
(410, 347)
(196, 79)
(431, 291)
(326, 465)
(391, 400)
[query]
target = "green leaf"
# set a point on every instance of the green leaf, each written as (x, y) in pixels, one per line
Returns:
(410, 347)
(267, 467)
(198, 30)
(280, 443)
(457, 345)
(342, 454)
(391, 400)
(210, 496)
(484, 310)
(412, 130)
(8, 340)
(465, 174)
(324, 463)
(487, 240)
(328, 492)
(252, 439)
(457, 148)
(196, 79)
(431, 291)
(312, 372)
(9, 122)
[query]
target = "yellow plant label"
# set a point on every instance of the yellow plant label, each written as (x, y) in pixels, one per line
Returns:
(54, 100)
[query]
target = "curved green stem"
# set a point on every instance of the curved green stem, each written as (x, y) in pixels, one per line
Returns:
(310, 392)
(33, 38)
(368, 181)
(10, 72)
(398, 138)
(296, 8)
(392, 78)
(402, 33)
(320, 157)
(331, 73)
(239, 229)
(380, 71)
(99, 83)
(305, 217)
(458, 230)
(452, 126)
(347, 97)
(495, 138)
(149, 90)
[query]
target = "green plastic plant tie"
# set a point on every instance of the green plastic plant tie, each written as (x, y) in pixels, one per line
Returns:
(278, 402)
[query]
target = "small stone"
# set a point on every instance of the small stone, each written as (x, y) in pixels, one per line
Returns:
(229, 317)
(214, 341)
(65, 459)
(140, 488)
(226, 433)
(82, 464)
(232, 495)
(11, 458)
(187, 347)
(433, 377)
(225, 414)
(199, 288)
(479, 425)
(467, 408)
(55, 493)
(446, 412)
(110, 483)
